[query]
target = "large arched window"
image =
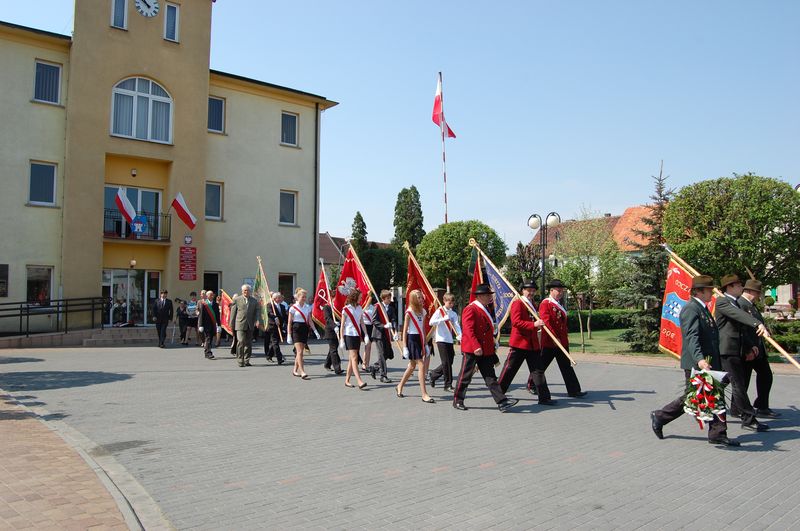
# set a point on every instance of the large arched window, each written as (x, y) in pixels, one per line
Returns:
(141, 109)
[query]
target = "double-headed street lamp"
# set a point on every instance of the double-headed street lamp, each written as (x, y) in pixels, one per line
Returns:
(535, 222)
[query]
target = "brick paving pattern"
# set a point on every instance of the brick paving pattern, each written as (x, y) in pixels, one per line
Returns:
(219, 447)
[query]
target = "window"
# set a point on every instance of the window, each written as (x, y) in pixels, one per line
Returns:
(214, 201)
(211, 281)
(3, 280)
(216, 114)
(146, 203)
(47, 87)
(42, 189)
(39, 285)
(171, 23)
(289, 129)
(119, 14)
(286, 286)
(141, 109)
(288, 208)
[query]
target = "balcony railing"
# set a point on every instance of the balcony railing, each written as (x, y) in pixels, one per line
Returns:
(115, 226)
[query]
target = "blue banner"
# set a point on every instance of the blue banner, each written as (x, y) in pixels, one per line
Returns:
(503, 294)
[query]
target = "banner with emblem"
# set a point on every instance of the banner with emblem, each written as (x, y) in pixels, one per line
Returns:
(676, 294)
(504, 294)
(322, 296)
(225, 311)
(352, 276)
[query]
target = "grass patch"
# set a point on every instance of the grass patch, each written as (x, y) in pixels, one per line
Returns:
(602, 342)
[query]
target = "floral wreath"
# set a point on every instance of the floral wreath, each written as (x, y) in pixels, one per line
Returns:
(705, 395)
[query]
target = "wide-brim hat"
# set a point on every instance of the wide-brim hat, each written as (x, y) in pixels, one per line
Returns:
(555, 283)
(729, 279)
(702, 281)
(753, 285)
(483, 289)
(529, 284)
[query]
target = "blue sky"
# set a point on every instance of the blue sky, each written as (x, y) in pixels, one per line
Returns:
(557, 105)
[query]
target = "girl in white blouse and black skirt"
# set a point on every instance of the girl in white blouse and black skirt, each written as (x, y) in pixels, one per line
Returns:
(298, 325)
(351, 334)
(415, 350)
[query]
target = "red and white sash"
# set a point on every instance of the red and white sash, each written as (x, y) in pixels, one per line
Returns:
(356, 325)
(416, 324)
(485, 311)
(558, 304)
(301, 312)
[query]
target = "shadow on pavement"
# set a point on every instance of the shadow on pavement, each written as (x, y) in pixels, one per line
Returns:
(44, 380)
(4, 360)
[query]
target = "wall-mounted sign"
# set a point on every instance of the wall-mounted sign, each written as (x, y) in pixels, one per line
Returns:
(187, 240)
(187, 263)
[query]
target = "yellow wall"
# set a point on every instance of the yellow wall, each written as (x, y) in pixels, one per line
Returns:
(119, 255)
(149, 173)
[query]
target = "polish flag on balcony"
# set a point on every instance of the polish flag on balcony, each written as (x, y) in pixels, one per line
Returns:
(125, 206)
(179, 204)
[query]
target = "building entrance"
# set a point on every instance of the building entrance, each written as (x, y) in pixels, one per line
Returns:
(130, 295)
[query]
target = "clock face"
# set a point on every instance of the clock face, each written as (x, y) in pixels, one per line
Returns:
(147, 8)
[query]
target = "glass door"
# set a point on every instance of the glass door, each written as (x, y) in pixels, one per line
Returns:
(152, 287)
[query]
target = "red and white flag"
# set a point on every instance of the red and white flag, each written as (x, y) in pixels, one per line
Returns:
(352, 276)
(125, 206)
(438, 110)
(416, 280)
(322, 298)
(179, 204)
(477, 277)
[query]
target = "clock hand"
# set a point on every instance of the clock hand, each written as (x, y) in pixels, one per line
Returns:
(147, 4)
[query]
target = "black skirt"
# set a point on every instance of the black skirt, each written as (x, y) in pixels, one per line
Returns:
(352, 342)
(414, 346)
(300, 332)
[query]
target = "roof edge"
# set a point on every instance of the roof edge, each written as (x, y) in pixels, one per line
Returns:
(326, 103)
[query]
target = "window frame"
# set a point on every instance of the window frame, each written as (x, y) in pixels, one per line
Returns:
(221, 186)
(51, 270)
(124, 15)
(55, 180)
(296, 128)
(168, 5)
(290, 295)
(294, 194)
(151, 98)
(60, 68)
(224, 114)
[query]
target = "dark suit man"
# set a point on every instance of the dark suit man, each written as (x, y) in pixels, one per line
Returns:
(332, 361)
(752, 291)
(736, 348)
(382, 334)
(208, 322)
(244, 319)
(162, 315)
(277, 317)
(700, 342)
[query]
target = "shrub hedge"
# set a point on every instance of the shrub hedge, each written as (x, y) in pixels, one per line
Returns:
(603, 319)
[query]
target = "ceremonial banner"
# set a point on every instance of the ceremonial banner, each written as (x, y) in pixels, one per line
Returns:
(352, 276)
(477, 275)
(504, 294)
(322, 298)
(262, 293)
(416, 280)
(225, 311)
(676, 295)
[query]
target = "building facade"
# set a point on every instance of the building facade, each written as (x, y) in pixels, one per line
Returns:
(129, 103)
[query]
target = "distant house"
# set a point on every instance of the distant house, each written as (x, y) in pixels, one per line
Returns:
(333, 249)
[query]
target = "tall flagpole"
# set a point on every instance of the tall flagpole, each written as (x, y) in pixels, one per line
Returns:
(444, 161)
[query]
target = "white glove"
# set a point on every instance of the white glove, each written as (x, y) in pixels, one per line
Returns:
(289, 340)
(336, 329)
(316, 333)
(341, 344)
(458, 338)
(395, 337)
(388, 326)
(219, 329)
(405, 353)
(199, 328)
(366, 341)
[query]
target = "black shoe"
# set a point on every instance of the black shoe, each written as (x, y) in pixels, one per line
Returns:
(507, 404)
(735, 414)
(269, 358)
(241, 365)
(327, 368)
(755, 426)
(384, 379)
(372, 371)
(161, 345)
(532, 390)
(724, 441)
(656, 425)
(281, 361)
(460, 406)
(547, 402)
(449, 389)
(339, 372)
(429, 400)
(432, 380)
(579, 394)
(247, 364)
(767, 413)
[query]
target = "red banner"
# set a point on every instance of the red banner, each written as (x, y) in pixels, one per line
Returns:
(321, 299)
(416, 280)
(225, 311)
(351, 277)
(676, 294)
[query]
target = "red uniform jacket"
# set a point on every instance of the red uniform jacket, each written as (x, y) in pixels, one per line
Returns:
(523, 333)
(477, 331)
(556, 321)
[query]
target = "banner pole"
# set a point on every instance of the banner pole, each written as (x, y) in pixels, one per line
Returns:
(269, 294)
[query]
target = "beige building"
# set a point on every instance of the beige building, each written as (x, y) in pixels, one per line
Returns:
(129, 102)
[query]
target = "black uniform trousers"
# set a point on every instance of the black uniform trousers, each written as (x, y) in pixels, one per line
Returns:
(209, 333)
(161, 328)
(567, 372)
(383, 345)
(740, 402)
(485, 364)
(447, 353)
(763, 380)
(272, 344)
(717, 428)
(513, 363)
(332, 360)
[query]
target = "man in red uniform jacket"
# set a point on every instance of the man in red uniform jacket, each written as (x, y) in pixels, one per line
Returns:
(524, 343)
(554, 315)
(478, 349)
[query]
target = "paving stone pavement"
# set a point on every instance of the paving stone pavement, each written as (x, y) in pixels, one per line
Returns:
(223, 447)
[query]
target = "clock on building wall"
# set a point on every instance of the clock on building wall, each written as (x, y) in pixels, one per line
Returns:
(147, 8)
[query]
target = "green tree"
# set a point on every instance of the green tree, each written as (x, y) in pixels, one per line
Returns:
(642, 287)
(726, 225)
(444, 253)
(358, 234)
(408, 218)
(524, 264)
(385, 267)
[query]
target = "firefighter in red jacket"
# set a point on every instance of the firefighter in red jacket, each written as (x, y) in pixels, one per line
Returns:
(524, 343)
(478, 349)
(554, 315)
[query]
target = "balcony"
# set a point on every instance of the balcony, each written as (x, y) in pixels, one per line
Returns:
(115, 227)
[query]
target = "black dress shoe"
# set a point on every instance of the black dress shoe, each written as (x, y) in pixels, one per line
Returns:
(755, 426)
(449, 389)
(281, 361)
(339, 372)
(372, 371)
(384, 379)
(431, 380)
(724, 441)
(656, 425)
(507, 404)
(460, 406)
(767, 413)
(580, 394)
(547, 402)
(247, 364)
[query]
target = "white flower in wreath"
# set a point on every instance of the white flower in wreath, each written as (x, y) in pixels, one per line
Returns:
(348, 286)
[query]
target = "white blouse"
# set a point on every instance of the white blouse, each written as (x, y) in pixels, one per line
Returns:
(303, 316)
(420, 319)
(443, 333)
(350, 327)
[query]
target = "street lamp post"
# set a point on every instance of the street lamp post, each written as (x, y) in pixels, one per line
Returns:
(535, 222)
